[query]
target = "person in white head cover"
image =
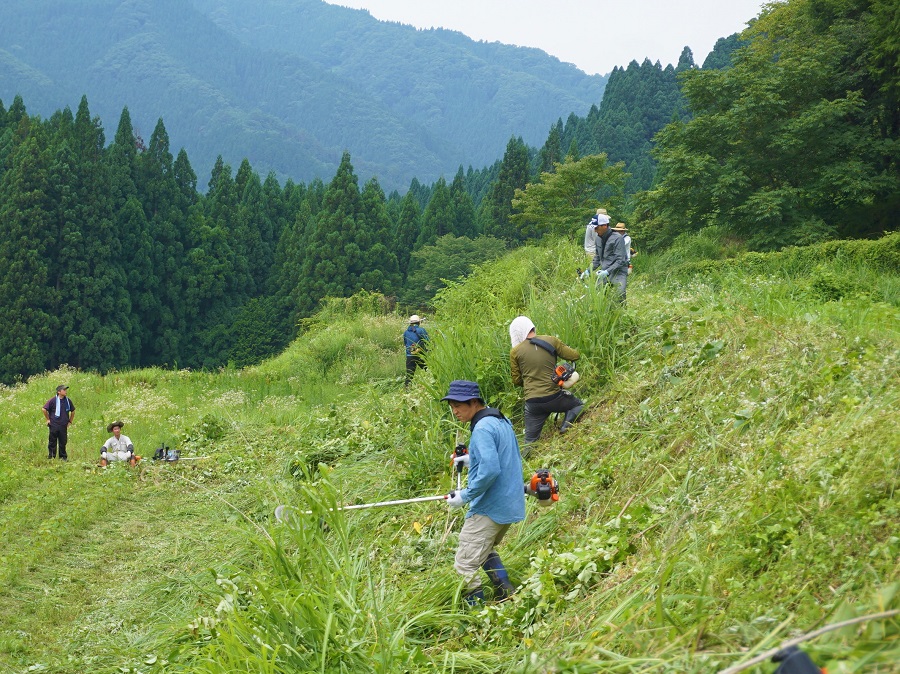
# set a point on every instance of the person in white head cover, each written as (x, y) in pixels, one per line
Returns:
(532, 362)
(590, 238)
(118, 448)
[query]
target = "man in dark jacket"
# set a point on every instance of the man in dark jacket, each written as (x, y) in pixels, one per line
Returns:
(610, 256)
(60, 413)
(415, 339)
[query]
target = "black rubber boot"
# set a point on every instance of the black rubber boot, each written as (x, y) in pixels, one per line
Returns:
(570, 418)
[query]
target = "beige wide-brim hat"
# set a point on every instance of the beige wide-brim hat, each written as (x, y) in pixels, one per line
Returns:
(620, 227)
(415, 318)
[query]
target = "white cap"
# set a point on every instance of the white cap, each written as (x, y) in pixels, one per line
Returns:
(415, 318)
(602, 219)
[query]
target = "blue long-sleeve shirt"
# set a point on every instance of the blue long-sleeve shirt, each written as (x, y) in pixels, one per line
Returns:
(495, 487)
(414, 338)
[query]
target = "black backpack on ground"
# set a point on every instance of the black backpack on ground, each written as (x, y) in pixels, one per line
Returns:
(163, 453)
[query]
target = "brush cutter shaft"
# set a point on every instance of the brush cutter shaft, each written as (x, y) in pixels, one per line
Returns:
(279, 511)
(390, 503)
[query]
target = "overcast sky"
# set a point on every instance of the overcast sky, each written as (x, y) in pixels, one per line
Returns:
(595, 35)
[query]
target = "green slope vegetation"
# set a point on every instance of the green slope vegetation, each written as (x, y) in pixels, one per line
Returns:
(732, 485)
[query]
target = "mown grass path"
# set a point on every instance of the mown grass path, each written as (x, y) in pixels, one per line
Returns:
(95, 560)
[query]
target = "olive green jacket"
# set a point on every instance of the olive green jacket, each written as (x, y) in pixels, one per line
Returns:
(532, 366)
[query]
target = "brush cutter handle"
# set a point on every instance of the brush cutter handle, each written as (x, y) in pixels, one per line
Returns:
(460, 458)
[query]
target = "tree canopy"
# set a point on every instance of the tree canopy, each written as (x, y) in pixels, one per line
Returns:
(568, 196)
(797, 141)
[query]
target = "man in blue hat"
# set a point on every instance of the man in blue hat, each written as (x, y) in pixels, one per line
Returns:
(494, 490)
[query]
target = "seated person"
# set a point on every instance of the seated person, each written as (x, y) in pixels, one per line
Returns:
(118, 447)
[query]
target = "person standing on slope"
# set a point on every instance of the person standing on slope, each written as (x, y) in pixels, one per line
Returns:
(59, 412)
(590, 238)
(494, 490)
(415, 339)
(610, 260)
(630, 252)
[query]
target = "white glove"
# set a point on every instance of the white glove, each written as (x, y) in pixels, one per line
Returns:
(102, 455)
(602, 274)
(585, 275)
(460, 460)
(454, 499)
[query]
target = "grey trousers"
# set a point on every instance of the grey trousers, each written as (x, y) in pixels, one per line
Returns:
(619, 279)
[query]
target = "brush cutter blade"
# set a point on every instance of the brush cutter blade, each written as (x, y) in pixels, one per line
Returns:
(282, 514)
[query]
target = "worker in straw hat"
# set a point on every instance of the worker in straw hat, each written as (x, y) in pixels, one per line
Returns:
(621, 229)
(415, 339)
(118, 448)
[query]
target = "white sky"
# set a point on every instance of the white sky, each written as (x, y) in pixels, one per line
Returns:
(595, 35)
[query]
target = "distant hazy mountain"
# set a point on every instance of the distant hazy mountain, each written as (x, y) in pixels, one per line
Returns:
(289, 84)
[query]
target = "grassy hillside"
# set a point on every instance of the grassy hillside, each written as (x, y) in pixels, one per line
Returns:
(732, 485)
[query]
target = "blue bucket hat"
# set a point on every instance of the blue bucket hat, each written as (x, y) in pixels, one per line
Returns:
(463, 391)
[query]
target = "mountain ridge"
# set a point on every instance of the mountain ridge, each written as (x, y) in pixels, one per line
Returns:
(290, 86)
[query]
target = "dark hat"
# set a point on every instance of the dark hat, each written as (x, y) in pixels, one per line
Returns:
(462, 391)
(61, 387)
(113, 425)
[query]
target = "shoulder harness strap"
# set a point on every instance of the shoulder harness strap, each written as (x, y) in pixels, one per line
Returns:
(488, 412)
(544, 345)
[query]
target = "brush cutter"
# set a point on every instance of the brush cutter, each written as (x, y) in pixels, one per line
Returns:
(460, 450)
(543, 487)
(564, 375)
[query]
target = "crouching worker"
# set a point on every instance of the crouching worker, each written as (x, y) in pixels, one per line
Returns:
(118, 447)
(494, 490)
(532, 362)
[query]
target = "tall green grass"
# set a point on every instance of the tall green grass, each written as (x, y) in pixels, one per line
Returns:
(739, 452)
